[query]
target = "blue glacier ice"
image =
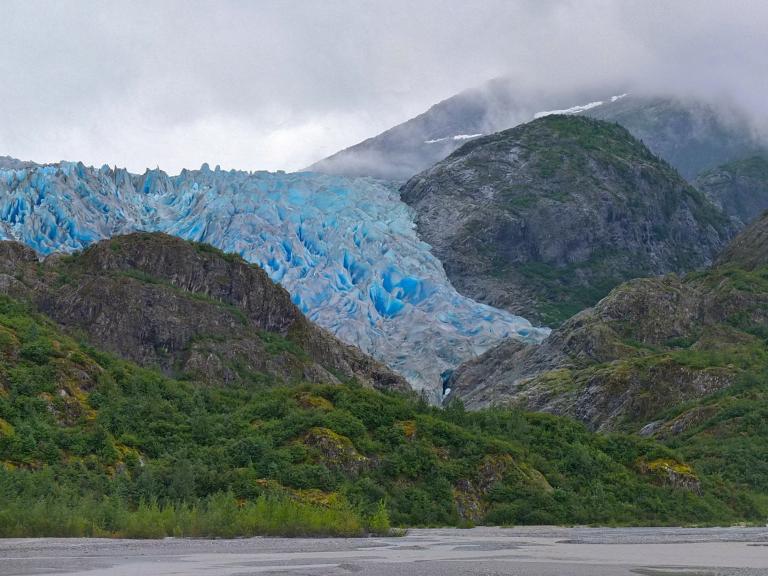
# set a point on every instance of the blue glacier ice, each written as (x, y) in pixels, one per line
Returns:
(345, 248)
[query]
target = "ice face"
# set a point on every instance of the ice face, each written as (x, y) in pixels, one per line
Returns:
(345, 248)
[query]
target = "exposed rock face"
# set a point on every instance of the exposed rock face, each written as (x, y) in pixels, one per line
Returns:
(740, 188)
(549, 216)
(335, 451)
(651, 344)
(186, 308)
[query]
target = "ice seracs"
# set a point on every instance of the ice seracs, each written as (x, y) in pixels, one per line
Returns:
(345, 248)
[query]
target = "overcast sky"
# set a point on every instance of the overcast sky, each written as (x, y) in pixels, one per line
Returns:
(279, 84)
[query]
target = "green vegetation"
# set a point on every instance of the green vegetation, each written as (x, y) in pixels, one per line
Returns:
(220, 515)
(277, 344)
(720, 345)
(94, 445)
(564, 290)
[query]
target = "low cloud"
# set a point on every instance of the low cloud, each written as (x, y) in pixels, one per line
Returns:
(277, 85)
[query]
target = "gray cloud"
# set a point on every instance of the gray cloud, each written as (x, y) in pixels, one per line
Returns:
(278, 84)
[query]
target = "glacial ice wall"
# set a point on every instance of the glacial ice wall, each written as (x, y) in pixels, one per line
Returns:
(345, 248)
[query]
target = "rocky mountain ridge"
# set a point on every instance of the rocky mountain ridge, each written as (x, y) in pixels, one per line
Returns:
(652, 344)
(187, 309)
(740, 187)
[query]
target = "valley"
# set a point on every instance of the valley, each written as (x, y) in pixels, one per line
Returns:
(519, 308)
(223, 353)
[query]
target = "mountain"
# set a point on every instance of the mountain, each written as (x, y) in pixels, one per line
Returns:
(92, 445)
(410, 147)
(683, 360)
(187, 309)
(749, 250)
(740, 188)
(651, 344)
(345, 249)
(691, 135)
(545, 218)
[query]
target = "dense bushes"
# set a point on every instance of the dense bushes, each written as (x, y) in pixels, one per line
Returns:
(93, 445)
(219, 515)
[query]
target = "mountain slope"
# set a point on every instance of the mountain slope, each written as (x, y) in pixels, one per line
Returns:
(691, 135)
(345, 249)
(93, 445)
(544, 219)
(683, 360)
(740, 188)
(413, 146)
(650, 345)
(187, 309)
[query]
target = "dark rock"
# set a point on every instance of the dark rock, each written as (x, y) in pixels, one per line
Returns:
(749, 250)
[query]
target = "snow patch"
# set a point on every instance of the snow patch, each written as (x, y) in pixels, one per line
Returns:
(572, 110)
(457, 137)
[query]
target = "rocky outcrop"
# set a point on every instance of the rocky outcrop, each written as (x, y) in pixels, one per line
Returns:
(334, 451)
(544, 219)
(187, 309)
(651, 344)
(673, 474)
(740, 188)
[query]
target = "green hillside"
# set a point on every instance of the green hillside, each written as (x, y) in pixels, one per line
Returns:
(94, 445)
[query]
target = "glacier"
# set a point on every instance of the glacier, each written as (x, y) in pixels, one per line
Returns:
(346, 249)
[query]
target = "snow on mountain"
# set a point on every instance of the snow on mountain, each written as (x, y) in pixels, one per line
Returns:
(571, 110)
(345, 248)
(456, 138)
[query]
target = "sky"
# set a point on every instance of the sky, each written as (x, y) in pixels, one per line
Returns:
(279, 84)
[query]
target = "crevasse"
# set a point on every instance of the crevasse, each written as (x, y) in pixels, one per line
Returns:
(345, 248)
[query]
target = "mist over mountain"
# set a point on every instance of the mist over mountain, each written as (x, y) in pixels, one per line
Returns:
(278, 85)
(690, 133)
